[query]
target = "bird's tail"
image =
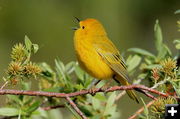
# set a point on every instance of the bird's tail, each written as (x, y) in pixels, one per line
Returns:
(130, 93)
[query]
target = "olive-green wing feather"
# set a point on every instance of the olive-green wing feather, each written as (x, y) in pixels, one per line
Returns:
(111, 56)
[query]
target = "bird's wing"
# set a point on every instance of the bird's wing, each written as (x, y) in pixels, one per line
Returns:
(109, 53)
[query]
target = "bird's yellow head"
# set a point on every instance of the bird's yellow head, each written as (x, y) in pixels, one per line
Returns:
(90, 27)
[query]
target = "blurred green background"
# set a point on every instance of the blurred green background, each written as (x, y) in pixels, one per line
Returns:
(129, 23)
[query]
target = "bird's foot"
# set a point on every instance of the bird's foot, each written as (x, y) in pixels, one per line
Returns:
(92, 91)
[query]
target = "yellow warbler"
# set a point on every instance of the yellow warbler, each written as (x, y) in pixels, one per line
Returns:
(98, 56)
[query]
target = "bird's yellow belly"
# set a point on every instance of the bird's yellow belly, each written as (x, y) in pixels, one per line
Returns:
(92, 63)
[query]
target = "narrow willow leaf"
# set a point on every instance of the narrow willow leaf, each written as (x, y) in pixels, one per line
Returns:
(141, 52)
(14, 98)
(168, 50)
(26, 85)
(35, 48)
(100, 96)
(79, 72)
(41, 112)
(55, 114)
(177, 43)
(73, 112)
(60, 69)
(158, 36)
(33, 107)
(86, 110)
(164, 51)
(111, 99)
(146, 112)
(28, 44)
(9, 111)
(96, 103)
(110, 103)
(152, 66)
(69, 68)
(133, 63)
(178, 46)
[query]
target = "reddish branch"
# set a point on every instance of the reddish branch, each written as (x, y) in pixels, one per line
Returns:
(140, 88)
(140, 110)
(76, 108)
(82, 92)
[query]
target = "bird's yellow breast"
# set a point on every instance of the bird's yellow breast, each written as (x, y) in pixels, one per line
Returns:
(90, 60)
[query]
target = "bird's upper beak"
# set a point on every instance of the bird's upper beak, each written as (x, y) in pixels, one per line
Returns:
(78, 20)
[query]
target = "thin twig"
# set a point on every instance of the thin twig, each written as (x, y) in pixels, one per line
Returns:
(4, 85)
(141, 110)
(120, 95)
(153, 87)
(149, 95)
(52, 107)
(159, 83)
(82, 92)
(76, 108)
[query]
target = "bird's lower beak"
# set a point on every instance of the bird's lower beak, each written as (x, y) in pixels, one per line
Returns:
(74, 28)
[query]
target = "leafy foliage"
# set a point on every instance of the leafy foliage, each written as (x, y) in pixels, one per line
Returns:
(161, 70)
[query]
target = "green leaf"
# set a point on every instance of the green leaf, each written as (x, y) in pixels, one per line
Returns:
(28, 100)
(85, 110)
(133, 63)
(33, 107)
(152, 66)
(79, 72)
(28, 44)
(55, 114)
(79, 86)
(96, 103)
(72, 110)
(158, 36)
(164, 51)
(35, 48)
(70, 67)
(176, 86)
(178, 46)
(111, 99)
(177, 11)
(60, 68)
(26, 85)
(97, 117)
(100, 96)
(47, 72)
(146, 112)
(141, 52)
(177, 43)
(9, 111)
(14, 98)
(52, 89)
(110, 111)
(40, 113)
(110, 103)
(142, 76)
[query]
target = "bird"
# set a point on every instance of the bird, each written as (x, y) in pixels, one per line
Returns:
(98, 56)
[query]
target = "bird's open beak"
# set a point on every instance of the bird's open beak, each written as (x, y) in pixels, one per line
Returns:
(74, 28)
(78, 20)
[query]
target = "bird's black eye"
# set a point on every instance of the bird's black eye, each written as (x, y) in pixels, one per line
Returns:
(83, 27)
